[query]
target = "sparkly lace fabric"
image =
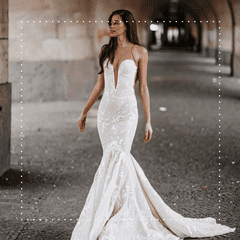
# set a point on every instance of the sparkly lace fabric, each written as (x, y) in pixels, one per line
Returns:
(121, 203)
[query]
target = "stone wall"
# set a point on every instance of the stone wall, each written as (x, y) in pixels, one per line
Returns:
(58, 57)
(60, 47)
(53, 80)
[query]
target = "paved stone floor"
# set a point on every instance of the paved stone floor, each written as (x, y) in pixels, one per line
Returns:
(58, 163)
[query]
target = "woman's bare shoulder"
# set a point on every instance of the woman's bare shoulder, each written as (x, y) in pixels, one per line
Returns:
(139, 51)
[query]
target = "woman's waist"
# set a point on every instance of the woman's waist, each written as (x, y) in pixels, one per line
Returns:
(112, 105)
(119, 101)
(111, 112)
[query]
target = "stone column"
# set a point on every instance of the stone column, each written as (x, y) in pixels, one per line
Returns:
(5, 91)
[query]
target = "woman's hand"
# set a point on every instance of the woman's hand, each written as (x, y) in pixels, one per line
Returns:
(82, 122)
(148, 132)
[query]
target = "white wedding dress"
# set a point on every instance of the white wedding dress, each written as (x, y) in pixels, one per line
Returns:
(121, 204)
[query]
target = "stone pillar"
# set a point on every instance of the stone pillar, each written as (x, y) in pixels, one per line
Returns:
(5, 91)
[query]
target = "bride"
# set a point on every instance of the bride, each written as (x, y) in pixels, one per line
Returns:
(121, 203)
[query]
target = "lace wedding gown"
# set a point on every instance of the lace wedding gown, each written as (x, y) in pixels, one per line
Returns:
(121, 204)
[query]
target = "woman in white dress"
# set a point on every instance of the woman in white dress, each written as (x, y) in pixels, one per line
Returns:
(121, 204)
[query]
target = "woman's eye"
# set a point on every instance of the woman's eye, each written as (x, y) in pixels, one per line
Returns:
(113, 23)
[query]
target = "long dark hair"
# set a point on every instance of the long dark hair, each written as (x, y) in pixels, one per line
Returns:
(110, 48)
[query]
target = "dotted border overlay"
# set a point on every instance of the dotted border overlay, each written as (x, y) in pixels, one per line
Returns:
(138, 22)
(21, 120)
(219, 120)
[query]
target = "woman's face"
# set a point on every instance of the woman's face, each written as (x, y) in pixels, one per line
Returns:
(117, 27)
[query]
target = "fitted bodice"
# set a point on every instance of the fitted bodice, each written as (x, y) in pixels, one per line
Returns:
(125, 77)
(118, 114)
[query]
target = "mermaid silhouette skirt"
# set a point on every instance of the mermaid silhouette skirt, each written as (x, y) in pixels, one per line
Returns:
(121, 203)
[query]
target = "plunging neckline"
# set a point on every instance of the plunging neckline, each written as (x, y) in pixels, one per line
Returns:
(115, 87)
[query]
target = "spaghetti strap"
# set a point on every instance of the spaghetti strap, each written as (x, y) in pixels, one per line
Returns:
(132, 54)
(132, 49)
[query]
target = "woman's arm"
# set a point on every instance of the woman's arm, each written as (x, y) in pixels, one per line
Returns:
(143, 88)
(98, 88)
(144, 93)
